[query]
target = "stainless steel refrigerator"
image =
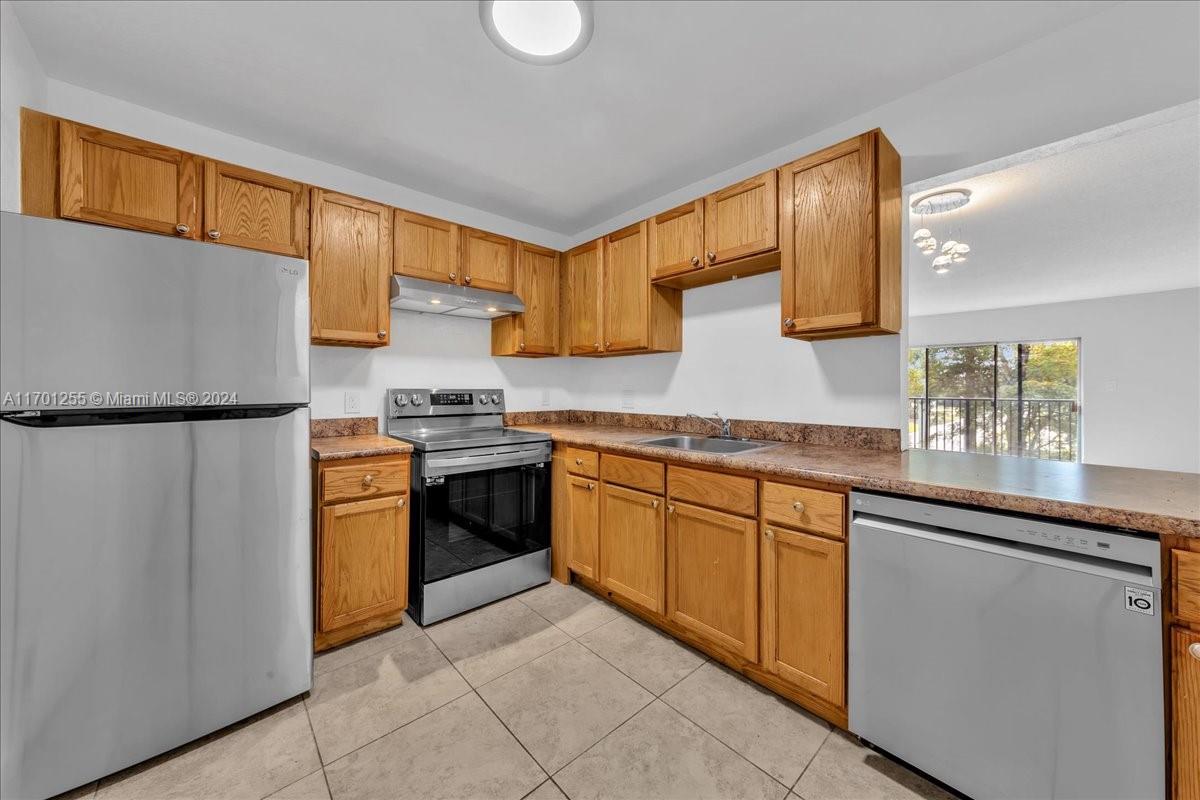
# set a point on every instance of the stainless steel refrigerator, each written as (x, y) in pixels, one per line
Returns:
(155, 552)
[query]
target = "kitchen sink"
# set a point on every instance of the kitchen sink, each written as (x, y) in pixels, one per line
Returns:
(705, 444)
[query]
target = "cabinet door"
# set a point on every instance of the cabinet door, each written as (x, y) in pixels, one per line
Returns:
(631, 545)
(840, 264)
(584, 501)
(364, 561)
(247, 208)
(1185, 712)
(626, 290)
(118, 180)
(584, 269)
(350, 266)
(536, 329)
(677, 240)
(804, 612)
(425, 247)
(487, 260)
(741, 220)
(712, 576)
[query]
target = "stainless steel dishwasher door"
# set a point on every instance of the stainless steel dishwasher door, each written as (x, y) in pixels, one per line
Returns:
(1005, 669)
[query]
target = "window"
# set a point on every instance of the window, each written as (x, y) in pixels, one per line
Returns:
(1005, 398)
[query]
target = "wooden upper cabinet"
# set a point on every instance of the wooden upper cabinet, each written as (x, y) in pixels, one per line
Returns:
(425, 247)
(363, 561)
(118, 180)
(712, 576)
(583, 272)
(350, 268)
(676, 240)
(487, 260)
(742, 219)
(840, 243)
(247, 208)
(632, 557)
(804, 612)
(534, 332)
(626, 290)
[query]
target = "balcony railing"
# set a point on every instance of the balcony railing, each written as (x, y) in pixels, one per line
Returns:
(1046, 429)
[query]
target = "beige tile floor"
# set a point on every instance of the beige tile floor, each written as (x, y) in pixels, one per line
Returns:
(550, 694)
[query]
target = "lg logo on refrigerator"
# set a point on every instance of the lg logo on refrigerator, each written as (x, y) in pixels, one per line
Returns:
(1139, 600)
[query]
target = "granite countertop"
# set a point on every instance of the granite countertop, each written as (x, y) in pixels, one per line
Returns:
(332, 448)
(1149, 501)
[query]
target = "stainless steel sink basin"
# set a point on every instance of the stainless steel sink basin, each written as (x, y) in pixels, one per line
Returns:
(706, 444)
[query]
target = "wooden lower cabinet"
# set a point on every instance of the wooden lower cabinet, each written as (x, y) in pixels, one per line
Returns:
(712, 576)
(361, 556)
(804, 611)
(583, 500)
(1185, 712)
(632, 545)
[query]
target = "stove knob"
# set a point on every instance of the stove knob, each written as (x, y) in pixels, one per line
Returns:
(483, 399)
(496, 399)
(416, 400)
(401, 400)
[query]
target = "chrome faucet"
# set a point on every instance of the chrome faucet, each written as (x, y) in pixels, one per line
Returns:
(719, 421)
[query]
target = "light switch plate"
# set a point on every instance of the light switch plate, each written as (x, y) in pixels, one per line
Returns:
(353, 404)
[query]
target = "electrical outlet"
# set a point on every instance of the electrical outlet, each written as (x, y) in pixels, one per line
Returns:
(545, 397)
(627, 399)
(353, 404)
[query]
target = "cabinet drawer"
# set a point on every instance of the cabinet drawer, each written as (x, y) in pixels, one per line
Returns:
(726, 492)
(364, 479)
(582, 462)
(1185, 567)
(635, 472)
(809, 509)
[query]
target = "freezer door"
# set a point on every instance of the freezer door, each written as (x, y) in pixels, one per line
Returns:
(156, 586)
(89, 309)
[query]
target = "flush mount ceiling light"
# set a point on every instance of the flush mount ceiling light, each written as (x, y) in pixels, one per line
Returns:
(941, 202)
(541, 32)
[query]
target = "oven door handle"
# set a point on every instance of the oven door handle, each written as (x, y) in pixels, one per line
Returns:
(456, 465)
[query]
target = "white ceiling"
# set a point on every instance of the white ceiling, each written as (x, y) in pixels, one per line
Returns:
(666, 94)
(1121, 216)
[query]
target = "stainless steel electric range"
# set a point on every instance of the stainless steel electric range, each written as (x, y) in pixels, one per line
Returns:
(480, 516)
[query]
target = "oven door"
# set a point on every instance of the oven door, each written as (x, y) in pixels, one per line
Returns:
(482, 527)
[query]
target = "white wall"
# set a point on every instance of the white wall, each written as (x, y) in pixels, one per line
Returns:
(22, 83)
(1139, 368)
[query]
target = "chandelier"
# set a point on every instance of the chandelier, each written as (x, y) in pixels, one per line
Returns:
(953, 250)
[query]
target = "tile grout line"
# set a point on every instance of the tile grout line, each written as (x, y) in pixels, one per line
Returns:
(599, 655)
(317, 746)
(596, 743)
(365, 656)
(816, 752)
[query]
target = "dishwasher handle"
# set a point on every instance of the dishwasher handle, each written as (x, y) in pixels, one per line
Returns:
(1078, 562)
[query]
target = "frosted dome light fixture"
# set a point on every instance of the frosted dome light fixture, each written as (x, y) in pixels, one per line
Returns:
(541, 32)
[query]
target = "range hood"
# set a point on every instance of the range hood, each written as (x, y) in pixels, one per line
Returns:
(431, 297)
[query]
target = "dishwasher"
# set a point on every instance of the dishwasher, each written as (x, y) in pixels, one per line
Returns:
(1005, 656)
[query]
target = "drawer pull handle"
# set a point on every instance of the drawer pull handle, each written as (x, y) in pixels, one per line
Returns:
(798, 506)
(1194, 649)
(400, 503)
(770, 534)
(368, 479)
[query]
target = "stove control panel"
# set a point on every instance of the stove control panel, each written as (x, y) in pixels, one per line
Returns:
(443, 402)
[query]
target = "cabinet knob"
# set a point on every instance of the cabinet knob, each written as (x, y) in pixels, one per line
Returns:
(591, 486)
(400, 503)
(578, 461)
(770, 534)
(597, 345)
(711, 256)
(607, 345)
(453, 276)
(521, 346)
(382, 334)
(214, 234)
(695, 261)
(467, 279)
(654, 504)
(181, 228)
(368, 479)
(789, 323)
(1194, 650)
(670, 509)
(798, 506)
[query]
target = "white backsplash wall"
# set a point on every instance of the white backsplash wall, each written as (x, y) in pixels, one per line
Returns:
(433, 351)
(734, 361)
